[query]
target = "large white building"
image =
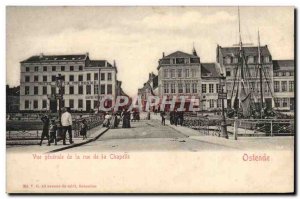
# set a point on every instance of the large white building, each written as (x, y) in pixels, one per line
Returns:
(83, 87)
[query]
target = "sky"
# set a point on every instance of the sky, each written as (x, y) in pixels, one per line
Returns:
(136, 37)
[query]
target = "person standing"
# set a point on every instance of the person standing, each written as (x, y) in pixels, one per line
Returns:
(53, 129)
(45, 132)
(83, 129)
(163, 118)
(66, 122)
(176, 115)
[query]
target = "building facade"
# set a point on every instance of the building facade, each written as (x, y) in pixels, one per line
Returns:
(228, 58)
(85, 82)
(284, 85)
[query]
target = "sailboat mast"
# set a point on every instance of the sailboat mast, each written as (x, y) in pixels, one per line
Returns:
(260, 78)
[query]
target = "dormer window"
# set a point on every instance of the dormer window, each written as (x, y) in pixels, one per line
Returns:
(228, 60)
(267, 59)
(235, 60)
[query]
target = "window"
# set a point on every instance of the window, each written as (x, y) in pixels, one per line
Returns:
(235, 60)
(277, 102)
(180, 89)
(27, 91)
(63, 78)
(53, 90)
(102, 89)
(166, 88)
(291, 73)
(27, 78)
(228, 73)
(26, 104)
(283, 74)
(36, 78)
(88, 77)
(267, 59)
(166, 73)
(250, 60)
(36, 69)
(203, 88)
(45, 78)
(35, 104)
(187, 88)
(95, 76)
(284, 86)
(193, 72)
(53, 78)
(291, 86)
(276, 86)
(62, 68)
(80, 103)
(88, 89)
(45, 68)
(95, 104)
(102, 76)
(284, 102)
(53, 68)
(71, 103)
(219, 103)
(80, 89)
(172, 73)
(194, 87)
(44, 104)
(211, 103)
(27, 69)
(80, 78)
(96, 89)
(211, 88)
(80, 68)
(276, 74)
(219, 89)
(71, 78)
(187, 73)
(179, 73)
(109, 89)
(173, 88)
(71, 90)
(44, 90)
(108, 76)
(71, 68)
(35, 90)
(228, 60)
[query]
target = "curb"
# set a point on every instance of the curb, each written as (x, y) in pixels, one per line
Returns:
(79, 144)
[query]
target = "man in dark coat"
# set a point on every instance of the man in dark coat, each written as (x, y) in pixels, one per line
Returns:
(45, 132)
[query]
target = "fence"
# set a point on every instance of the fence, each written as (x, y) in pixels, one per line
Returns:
(32, 130)
(242, 127)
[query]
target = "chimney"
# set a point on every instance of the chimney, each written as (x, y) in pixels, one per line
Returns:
(163, 54)
(41, 55)
(87, 54)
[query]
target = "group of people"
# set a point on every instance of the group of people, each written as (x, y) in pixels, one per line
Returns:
(50, 128)
(176, 117)
(112, 120)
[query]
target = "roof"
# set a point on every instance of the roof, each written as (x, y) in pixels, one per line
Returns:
(180, 54)
(253, 50)
(39, 58)
(97, 63)
(209, 70)
(283, 64)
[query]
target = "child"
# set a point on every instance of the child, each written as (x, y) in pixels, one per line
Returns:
(83, 129)
(53, 128)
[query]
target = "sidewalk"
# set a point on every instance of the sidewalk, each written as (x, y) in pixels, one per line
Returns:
(93, 134)
(271, 143)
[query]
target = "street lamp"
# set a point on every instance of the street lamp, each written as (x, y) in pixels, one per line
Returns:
(222, 96)
(59, 84)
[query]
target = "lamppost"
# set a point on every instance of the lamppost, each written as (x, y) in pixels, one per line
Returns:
(59, 84)
(222, 96)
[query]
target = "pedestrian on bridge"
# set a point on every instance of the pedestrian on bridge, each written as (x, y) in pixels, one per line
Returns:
(66, 122)
(45, 133)
(163, 118)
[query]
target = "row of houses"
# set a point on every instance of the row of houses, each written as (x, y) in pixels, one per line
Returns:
(183, 74)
